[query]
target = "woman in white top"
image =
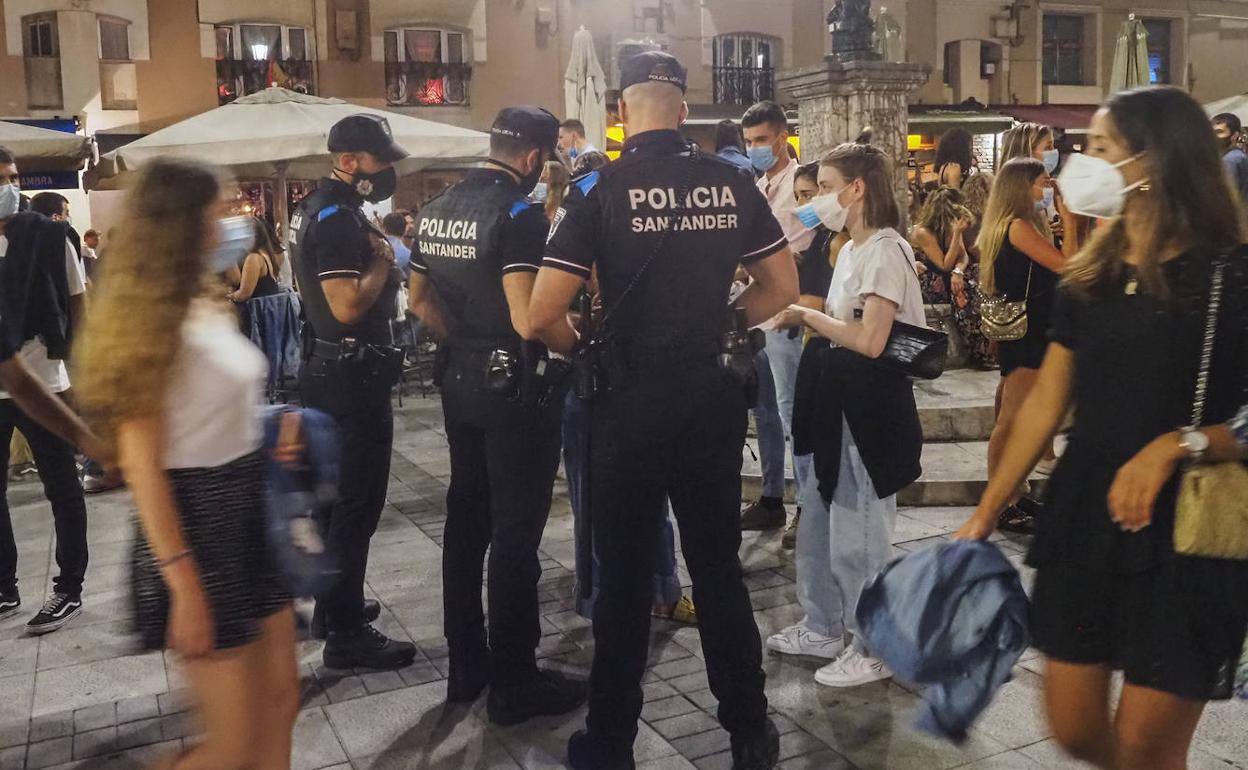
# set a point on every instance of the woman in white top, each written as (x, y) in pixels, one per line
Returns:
(166, 377)
(844, 542)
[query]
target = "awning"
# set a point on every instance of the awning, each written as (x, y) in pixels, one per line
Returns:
(939, 121)
(1070, 117)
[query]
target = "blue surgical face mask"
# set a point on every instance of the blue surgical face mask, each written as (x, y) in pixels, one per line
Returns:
(1045, 203)
(540, 191)
(1051, 159)
(10, 200)
(236, 236)
(763, 158)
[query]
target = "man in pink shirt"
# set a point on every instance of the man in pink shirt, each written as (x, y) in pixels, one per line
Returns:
(766, 132)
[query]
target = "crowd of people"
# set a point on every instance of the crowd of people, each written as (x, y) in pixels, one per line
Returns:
(579, 310)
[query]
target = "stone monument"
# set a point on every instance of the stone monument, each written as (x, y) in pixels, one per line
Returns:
(853, 89)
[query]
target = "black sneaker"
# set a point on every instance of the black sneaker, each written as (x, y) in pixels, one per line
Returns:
(587, 751)
(58, 610)
(10, 603)
(549, 693)
(366, 647)
(760, 751)
(759, 517)
(317, 629)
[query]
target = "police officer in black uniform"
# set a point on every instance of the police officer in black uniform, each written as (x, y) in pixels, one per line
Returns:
(476, 254)
(348, 282)
(666, 226)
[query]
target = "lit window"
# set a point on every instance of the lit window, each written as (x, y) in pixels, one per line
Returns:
(426, 67)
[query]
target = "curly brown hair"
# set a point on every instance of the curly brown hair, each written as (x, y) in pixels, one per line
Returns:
(154, 269)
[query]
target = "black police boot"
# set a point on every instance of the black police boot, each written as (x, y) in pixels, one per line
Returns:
(469, 671)
(366, 647)
(547, 693)
(318, 630)
(587, 751)
(758, 751)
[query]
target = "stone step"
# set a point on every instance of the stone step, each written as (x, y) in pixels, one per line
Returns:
(958, 406)
(954, 473)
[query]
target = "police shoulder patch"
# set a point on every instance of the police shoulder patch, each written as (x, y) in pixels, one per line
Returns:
(587, 182)
(327, 212)
(520, 206)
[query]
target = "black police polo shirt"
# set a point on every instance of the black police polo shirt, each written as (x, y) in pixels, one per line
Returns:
(339, 247)
(613, 219)
(464, 259)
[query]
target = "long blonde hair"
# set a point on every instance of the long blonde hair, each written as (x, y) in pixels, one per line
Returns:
(1022, 140)
(154, 269)
(557, 186)
(1011, 199)
(942, 209)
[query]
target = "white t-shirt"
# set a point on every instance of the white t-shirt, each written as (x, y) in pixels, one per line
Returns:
(215, 390)
(35, 354)
(883, 266)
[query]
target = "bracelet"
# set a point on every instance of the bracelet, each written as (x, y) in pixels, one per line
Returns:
(177, 557)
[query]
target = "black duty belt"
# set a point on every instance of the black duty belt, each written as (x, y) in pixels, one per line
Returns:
(332, 351)
(642, 356)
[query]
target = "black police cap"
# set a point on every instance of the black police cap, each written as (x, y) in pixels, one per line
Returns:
(653, 67)
(366, 133)
(530, 124)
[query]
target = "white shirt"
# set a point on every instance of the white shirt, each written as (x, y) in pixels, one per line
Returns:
(779, 193)
(215, 390)
(34, 352)
(884, 266)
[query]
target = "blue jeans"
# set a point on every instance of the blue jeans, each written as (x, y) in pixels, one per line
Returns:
(770, 427)
(784, 355)
(665, 580)
(842, 546)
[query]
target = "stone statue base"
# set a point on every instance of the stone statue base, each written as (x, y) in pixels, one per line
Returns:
(837, 99)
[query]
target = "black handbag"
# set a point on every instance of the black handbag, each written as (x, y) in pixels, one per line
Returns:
(914, 351)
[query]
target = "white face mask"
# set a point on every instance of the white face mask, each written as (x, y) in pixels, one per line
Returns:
(1093, 187)
(826, 210)
(10, 200)
(236, 238)
(540, 192)
(1046, 202)
(1051, 159)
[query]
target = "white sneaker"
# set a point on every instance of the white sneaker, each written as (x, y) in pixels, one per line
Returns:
(800, 640)
(852, 669)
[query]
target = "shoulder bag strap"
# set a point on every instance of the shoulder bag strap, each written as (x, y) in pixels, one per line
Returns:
(1206, 353)
(681, 199)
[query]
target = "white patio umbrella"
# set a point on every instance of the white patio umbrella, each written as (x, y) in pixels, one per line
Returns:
(1236, 105)
(282, 134)
(38, 149)
(1130, 57)
(585, 89)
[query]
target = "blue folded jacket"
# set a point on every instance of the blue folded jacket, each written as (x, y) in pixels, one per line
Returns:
(295, 494)
(954, 617)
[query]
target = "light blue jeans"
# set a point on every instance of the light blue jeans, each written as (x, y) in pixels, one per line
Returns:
(770, 427)
(842, 546)
(784, 355)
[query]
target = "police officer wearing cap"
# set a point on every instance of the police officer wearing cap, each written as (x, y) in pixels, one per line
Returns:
(665, 228)
(476, 254)
(348, 282)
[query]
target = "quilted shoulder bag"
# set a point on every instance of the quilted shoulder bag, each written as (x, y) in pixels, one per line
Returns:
(1212, 516)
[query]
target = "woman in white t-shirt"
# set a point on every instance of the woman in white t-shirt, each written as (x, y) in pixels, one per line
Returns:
(167, 378)
(843, 542)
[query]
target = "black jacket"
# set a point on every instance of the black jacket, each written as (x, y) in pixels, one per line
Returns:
(877, 403)
(34, 288)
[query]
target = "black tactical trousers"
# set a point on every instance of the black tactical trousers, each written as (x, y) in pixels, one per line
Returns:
(503, 463)
(675, 431)
(361, 409)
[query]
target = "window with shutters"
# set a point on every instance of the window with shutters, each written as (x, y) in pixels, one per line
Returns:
(427, 67)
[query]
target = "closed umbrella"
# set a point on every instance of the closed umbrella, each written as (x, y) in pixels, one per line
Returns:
(1130, 57)
(38, 149)
(585, 89)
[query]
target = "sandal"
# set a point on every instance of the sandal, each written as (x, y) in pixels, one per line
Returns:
(682, 611)
(1017, 521)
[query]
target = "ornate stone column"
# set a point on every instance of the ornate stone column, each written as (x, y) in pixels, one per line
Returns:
(837, 99)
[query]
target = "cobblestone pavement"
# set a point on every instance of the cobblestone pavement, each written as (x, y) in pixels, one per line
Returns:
(82, 698)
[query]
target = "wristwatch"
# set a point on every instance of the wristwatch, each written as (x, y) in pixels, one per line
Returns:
(1194, 442)
(1239, 427)
(958, 271)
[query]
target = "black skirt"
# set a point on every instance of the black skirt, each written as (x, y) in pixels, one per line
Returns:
(222, 514)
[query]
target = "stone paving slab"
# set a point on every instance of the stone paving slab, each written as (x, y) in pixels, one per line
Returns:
(82, 698)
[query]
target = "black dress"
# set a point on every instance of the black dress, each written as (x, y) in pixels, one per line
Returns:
(1011, 271)
(814, 272)
(1105, 596)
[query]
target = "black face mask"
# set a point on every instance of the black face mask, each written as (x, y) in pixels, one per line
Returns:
(374, 188)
